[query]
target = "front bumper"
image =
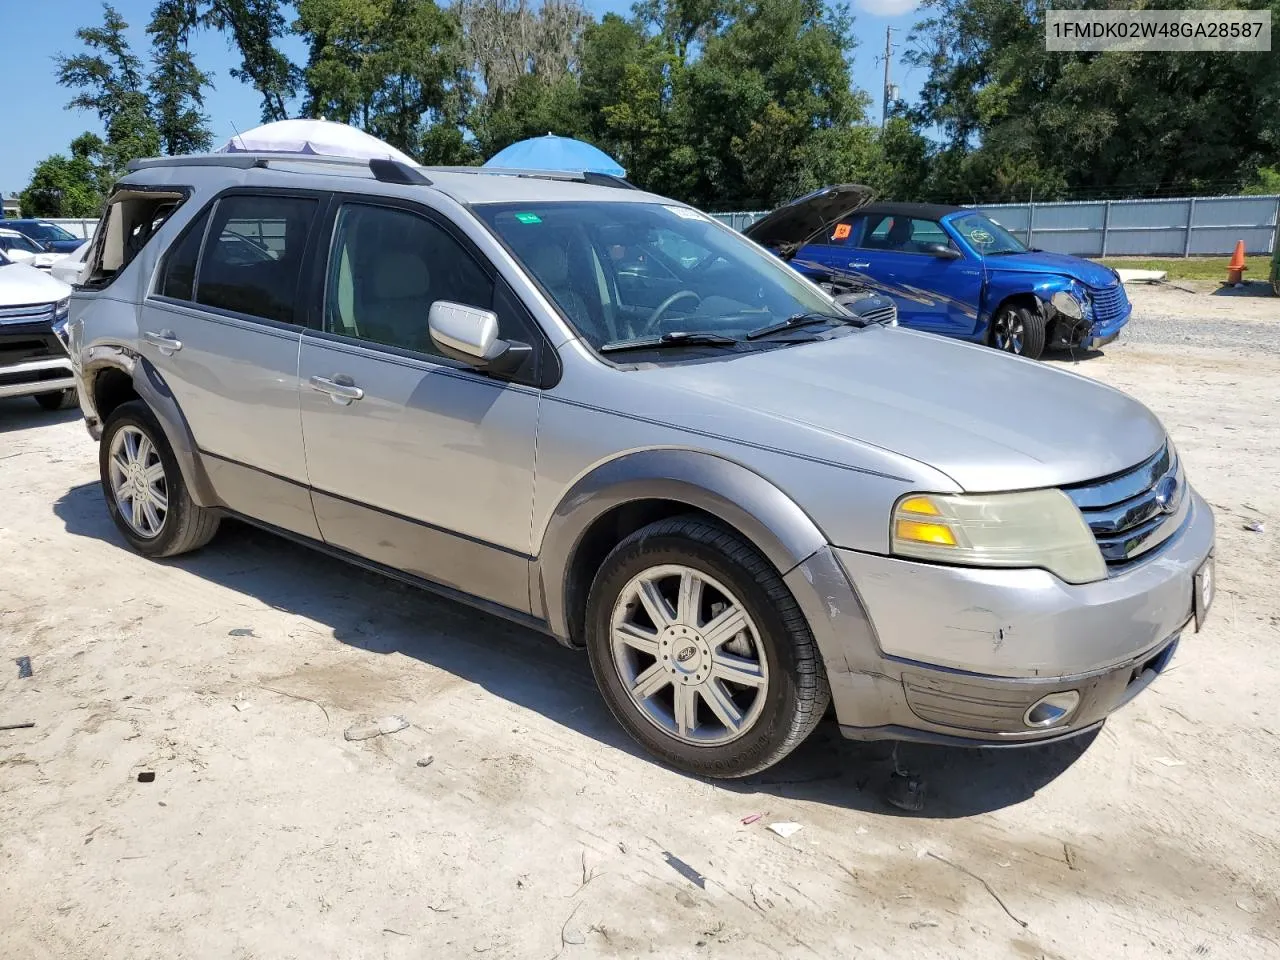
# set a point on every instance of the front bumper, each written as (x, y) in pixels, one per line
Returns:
(32, 377)
(958, 655)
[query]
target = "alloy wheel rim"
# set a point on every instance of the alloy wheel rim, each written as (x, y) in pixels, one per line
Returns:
(138, 482)
(1009, 333)
(689, 655)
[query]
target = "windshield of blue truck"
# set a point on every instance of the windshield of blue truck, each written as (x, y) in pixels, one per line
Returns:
(985, 235)
(625, 270)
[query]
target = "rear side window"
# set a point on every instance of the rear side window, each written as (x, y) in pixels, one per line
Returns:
(252, 257)
(178, 278)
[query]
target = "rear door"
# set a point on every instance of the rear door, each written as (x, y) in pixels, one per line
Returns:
(223, 327)
(417, 461)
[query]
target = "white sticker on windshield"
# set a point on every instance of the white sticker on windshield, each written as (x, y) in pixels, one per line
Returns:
(685, 213)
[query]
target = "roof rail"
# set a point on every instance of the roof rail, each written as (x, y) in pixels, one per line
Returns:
(569, 176)
(385, 170)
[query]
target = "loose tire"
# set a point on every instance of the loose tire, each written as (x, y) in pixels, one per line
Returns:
(700, 650)
(1018, 330)
(58, 400)
(143, 486)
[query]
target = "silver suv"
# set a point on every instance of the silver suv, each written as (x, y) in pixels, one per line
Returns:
(603, 414)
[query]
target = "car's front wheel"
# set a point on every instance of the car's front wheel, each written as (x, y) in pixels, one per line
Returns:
(146, 495)
(700, 650)
(1019, 330)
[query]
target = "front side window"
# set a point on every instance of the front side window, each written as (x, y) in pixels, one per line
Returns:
(387, 267)
(621, 270)
(178, 275)
(252, 258)
(901, 234)
(987, 237)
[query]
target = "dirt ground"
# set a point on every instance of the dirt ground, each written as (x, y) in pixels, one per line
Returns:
(538, 830)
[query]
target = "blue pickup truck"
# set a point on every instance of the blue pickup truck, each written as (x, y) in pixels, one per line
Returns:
(951, 270)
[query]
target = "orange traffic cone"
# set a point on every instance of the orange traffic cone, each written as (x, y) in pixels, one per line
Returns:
(1236, 268)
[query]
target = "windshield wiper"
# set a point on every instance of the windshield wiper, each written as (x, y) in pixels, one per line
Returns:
(801, 320)
(677, 338)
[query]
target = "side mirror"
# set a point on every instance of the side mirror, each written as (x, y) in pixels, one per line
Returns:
(470, 335)
(941, 251)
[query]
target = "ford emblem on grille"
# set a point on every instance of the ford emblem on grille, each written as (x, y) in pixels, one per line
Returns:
(1166, 493)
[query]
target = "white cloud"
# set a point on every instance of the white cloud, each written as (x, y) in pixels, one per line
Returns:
(887, 8)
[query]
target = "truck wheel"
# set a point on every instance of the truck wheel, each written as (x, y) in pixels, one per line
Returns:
(145, 492)
(58, 400)
(700, 650)
(1019, 330)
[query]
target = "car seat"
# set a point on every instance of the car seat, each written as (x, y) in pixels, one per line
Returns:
(900, 232)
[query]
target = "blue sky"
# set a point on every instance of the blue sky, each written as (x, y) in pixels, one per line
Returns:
(35, 121)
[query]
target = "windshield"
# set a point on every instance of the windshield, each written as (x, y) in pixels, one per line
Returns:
(47, 231)
(986, 236)
(16, 241)
(621, 271)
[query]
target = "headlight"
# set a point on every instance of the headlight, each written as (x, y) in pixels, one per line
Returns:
(1069, 304)
(1038, 528)
(61, 309)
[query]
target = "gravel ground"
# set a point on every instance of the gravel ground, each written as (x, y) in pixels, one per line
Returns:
(512, 818)
(1205, 315)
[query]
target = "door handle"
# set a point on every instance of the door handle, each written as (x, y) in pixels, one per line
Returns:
(341, 389)
(164, 341)
(859, 264)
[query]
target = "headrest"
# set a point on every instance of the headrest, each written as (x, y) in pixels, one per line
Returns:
(549, 263)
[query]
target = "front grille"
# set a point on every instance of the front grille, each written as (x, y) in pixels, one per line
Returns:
(1109, 303)
(1135, 511)
(29, 313)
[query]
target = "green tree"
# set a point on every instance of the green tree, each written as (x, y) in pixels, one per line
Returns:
(176, 84)
(392, 67)
(64, 186)
(108, 78)
(253, 27)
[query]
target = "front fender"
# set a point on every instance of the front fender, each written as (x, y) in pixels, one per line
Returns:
(743, 499)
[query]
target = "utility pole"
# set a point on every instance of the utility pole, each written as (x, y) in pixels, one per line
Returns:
(889, 92)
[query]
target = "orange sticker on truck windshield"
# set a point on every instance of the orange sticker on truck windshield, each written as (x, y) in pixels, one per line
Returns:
(842, 232)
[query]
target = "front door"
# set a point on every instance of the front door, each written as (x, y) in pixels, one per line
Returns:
(416, 461)
(220, 327)
(934, 293)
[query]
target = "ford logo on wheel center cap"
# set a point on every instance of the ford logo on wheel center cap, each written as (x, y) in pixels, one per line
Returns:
(685, 655)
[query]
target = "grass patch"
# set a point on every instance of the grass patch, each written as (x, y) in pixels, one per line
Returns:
(1192, 268)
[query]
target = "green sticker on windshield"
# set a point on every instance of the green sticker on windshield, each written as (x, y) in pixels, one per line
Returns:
(528, 218)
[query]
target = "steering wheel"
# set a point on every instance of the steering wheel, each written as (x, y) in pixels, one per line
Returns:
(666, 305)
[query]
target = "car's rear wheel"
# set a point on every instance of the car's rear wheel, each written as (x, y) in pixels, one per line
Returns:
(700, 650)
(146, 495)
(58, 399)
(1019, 330)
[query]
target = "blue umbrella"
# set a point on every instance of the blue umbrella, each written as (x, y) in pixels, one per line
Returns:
(555, 153)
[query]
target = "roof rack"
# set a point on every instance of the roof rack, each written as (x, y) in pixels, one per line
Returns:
(568, 176)
(383, 169)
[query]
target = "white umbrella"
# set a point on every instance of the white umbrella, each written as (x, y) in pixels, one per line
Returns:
(316, 137)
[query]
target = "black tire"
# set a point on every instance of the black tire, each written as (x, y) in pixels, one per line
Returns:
(185, 526)
(1031, 343)
(797, 693)
(58, 400)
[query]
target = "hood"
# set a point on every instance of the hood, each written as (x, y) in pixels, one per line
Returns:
(789, 228)
(21, 284)
(1086, 271)
(987, 420)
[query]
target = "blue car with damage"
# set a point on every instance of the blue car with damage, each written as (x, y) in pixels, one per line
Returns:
(950, 270)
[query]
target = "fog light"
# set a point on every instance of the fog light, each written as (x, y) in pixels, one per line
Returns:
(1052, 710)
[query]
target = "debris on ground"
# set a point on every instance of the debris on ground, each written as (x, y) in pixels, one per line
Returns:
(923, 924)
(242, 632)
(424, 761)
(991, 890)
(1255, 526)
(375, 728)
(20, 725)
(146, 776)
(905, 791)
(785, 828)
(1169, 762)
(751, 818)
(686, 871)
(24, 667)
